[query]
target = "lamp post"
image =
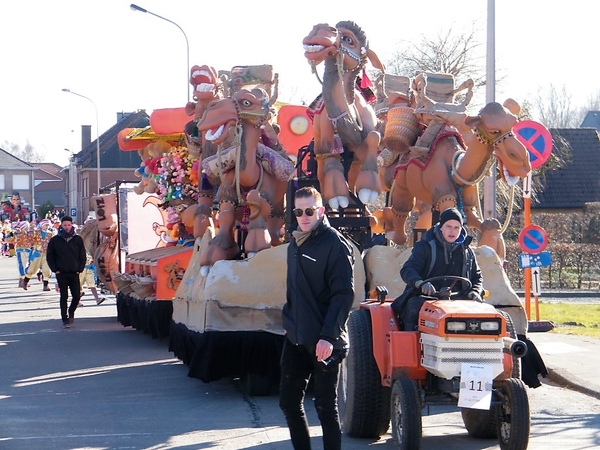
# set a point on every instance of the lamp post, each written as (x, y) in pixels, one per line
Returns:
(72, 188)
(135, 7)
(97, 134)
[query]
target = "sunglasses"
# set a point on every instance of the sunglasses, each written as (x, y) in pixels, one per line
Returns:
(308, 211)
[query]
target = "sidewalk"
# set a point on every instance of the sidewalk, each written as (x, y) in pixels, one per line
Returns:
(571, 361)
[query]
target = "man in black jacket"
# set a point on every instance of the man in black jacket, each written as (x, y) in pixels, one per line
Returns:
(320, 294)
(66, 258)
(443, 250)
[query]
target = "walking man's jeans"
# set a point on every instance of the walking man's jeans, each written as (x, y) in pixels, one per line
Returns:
(68, 282)
(297, 365)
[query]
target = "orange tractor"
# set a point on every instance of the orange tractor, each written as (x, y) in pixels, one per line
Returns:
(465, 353)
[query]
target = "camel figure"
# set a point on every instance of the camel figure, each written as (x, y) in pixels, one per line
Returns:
(258, 237)
(342, 115)
(247, 164)
(207, 87)
(446, 173)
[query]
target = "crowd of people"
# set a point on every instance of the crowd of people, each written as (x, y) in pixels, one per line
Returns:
(28, 243)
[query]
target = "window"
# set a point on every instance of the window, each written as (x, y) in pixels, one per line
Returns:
(2, 181)
(20, 182)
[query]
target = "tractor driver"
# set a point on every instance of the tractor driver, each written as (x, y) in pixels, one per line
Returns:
(442, 251)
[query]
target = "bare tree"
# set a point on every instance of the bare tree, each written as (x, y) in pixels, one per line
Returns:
(27, 154)
(555, 108)
(456, 54)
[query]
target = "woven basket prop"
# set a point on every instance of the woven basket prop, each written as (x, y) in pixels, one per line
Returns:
(143, 287)
(123, 282)
(401, 129)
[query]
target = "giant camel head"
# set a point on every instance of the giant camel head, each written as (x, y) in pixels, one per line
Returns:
(493, 126)
(221, 116)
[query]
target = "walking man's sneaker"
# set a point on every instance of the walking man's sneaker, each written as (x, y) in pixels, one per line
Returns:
(20, 282)
(46, 286)
(66, 324)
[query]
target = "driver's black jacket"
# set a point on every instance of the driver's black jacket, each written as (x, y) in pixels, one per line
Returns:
(455, 259)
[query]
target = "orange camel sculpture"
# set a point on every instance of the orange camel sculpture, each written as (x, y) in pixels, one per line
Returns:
(343, 117)
(446, 175)
(247, 164)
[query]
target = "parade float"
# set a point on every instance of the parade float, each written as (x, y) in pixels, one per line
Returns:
(222, 170)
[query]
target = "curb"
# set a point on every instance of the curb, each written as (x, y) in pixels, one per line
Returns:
(570, 381)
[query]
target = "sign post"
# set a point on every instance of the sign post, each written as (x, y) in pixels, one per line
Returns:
(538, 141)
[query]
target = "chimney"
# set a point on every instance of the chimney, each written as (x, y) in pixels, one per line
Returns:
(121, 115)
(86, 136)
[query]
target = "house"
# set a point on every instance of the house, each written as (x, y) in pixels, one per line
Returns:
(17, 180)
(577, 183)
(50, 185)
(115, 164)
(591, 120)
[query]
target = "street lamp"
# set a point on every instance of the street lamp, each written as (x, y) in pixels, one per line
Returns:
(135, 7)
(97, 134)
(72, 187)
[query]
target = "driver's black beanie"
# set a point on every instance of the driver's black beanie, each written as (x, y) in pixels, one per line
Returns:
(450, 214)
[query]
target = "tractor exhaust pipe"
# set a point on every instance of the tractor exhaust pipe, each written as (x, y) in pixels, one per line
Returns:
(515, 347)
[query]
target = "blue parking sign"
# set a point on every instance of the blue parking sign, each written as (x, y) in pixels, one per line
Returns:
(73, 212)
(541, 259)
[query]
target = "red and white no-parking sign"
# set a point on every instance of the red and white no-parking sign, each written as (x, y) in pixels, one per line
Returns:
(533, 239)
(537, 140)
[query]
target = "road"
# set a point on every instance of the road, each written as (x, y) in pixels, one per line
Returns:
(101, 386)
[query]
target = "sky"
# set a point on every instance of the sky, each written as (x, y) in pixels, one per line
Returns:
(124, 60)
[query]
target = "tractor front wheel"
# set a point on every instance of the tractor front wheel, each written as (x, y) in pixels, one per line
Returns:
(364, 403)
(406, 415)
(514, 419)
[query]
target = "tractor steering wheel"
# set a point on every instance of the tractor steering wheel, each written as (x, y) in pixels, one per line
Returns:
(446, 293)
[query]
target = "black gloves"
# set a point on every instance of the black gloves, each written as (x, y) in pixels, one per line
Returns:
(426, 288)
(475, 296)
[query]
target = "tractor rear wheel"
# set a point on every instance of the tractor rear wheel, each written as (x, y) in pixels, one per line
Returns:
(514, 419)
(406, 415)
(364, 403)
(510, 327)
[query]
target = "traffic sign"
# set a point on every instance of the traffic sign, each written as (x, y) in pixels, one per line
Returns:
(73, 212)
(533, 239)
(527, 185)
(540, 259)
(537, 140)
(536, 282)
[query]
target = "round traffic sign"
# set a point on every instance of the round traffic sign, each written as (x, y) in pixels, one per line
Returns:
(537, 140)
(533, 239)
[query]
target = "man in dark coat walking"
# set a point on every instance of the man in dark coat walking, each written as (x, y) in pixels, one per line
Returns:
(320, 294)
(66, 258)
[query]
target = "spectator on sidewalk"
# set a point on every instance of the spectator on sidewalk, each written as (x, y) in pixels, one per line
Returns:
(66, 258)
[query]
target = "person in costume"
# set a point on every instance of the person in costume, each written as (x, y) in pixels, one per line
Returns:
(41, 236)
(88, 278)
(23, 241)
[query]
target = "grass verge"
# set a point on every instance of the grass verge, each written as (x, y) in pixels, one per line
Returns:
(572, 318)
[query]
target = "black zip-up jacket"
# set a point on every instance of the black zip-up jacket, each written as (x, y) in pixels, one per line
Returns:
(450, 259)
(66, 257)
(320, 288)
